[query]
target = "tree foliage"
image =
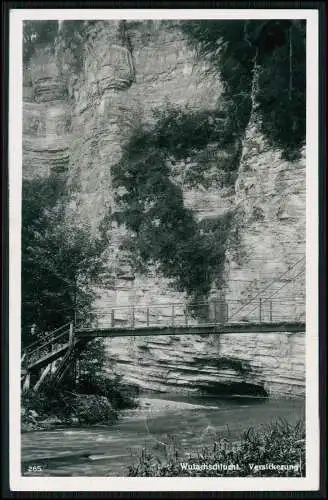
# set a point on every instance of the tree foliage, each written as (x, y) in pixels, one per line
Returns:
(70, 34)
(59, 262)
(60, 265)
(278, 48)
(37, 33)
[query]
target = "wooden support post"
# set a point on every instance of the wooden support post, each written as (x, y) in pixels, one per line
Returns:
(133, 318)
(260, 305)
(112, 318)
(27, 381)
(271, 311)
(147, 316)
(43, 375)
(52, 347)
(71, 334)
(186, 316)
(172, 316)
(227, 313)
(77, 371)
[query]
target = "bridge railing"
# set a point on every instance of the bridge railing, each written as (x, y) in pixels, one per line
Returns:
(214, 312)
(46, 337)
(263, 310)
(49, 343)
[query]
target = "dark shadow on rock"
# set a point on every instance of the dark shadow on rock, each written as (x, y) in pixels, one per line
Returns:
(233, 389)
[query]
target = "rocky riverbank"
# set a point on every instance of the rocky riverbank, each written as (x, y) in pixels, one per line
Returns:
(99, 402)
(99, 407)
(33, 421)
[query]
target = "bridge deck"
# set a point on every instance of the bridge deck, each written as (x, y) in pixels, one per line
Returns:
(87, 334)
(201, 329)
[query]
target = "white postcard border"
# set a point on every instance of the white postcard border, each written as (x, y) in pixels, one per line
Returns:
(21, 483)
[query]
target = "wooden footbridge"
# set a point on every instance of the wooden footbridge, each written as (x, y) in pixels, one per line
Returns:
(55, 352)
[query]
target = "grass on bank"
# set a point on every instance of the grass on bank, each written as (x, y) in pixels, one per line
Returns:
(279, 443)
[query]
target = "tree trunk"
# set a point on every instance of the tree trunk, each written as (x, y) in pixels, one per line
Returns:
(290, 87)
(75, 302)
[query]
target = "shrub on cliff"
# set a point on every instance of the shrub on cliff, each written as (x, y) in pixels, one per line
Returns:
(91, 409)
(278, 48)
(279, 443)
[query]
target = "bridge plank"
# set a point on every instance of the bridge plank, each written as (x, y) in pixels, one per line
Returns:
(192, 330)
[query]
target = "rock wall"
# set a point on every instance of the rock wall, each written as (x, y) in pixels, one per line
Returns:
(265, 258)
(117, 92)
(270, 362)
(46, 117)
(77, 121)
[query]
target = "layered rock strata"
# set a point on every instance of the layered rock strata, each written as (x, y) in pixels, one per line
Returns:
(261, 364)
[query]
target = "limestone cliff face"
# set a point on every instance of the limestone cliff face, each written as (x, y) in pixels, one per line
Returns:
(46, 117)
(265, 259)
(78, 120)
(116, 92)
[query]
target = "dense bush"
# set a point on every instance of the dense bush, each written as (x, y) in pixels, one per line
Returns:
(90, 401)
(278, 443)
(93, 409)
(119, 394)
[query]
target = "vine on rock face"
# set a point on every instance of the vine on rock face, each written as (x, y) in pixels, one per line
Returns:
(152, 203)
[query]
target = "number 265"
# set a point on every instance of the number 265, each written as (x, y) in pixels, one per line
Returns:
(34, 468)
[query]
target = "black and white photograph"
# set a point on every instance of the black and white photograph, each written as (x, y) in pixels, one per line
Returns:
(163, 222)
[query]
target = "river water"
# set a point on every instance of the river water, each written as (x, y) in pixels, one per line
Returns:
(108, 451)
